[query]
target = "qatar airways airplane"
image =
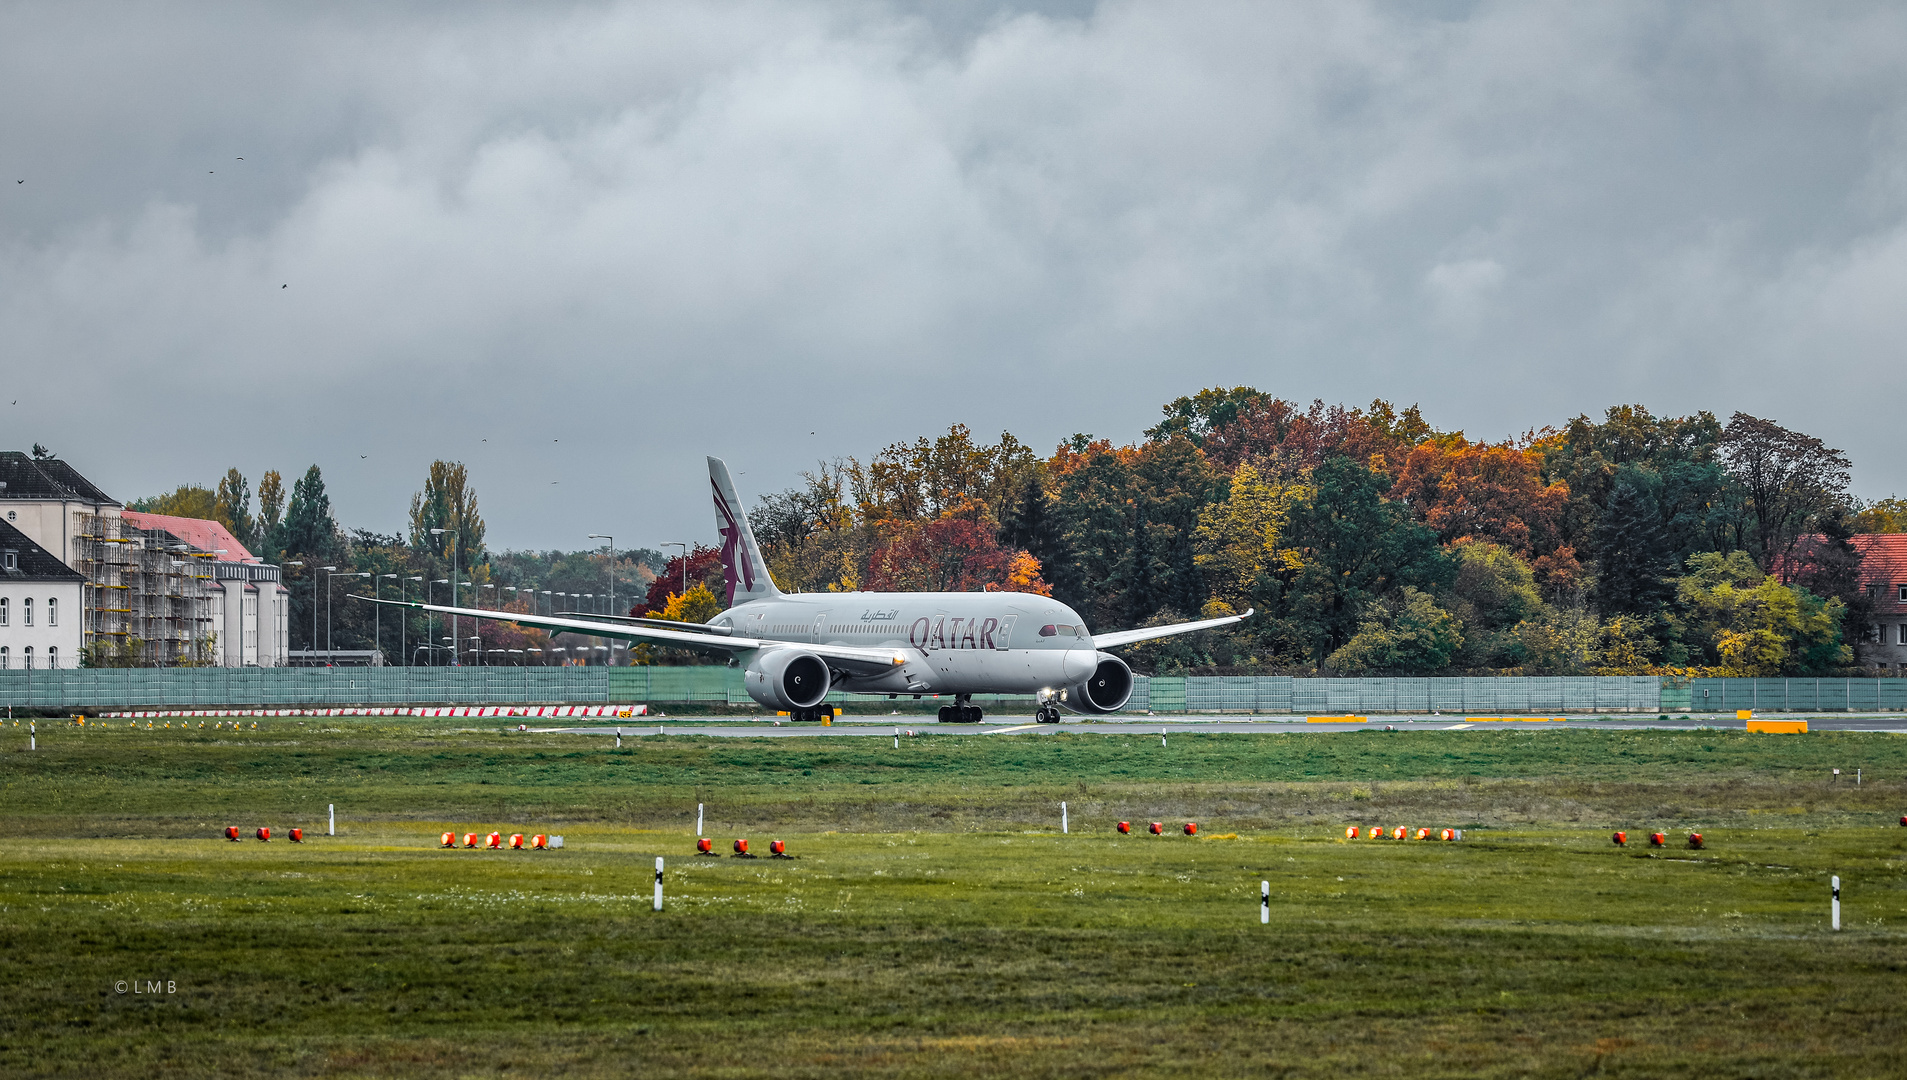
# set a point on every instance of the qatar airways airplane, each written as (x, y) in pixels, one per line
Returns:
(796, 647)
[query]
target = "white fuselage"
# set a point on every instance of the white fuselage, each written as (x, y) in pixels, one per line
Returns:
(955, 643)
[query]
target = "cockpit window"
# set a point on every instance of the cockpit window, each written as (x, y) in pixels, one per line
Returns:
(1062, 630)
(1048, 630)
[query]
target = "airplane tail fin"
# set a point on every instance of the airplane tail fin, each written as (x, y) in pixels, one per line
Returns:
(743, 569)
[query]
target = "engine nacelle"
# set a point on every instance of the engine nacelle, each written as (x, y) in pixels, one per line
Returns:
(1106, 690)
(787, 679)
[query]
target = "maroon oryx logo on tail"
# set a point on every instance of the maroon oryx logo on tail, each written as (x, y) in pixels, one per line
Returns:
(736, 565)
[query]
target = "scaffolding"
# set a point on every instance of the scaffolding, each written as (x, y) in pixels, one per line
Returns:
(146, 592)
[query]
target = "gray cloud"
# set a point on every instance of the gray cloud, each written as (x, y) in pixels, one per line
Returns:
(657, 231)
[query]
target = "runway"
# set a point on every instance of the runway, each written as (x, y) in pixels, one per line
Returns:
(888, 727)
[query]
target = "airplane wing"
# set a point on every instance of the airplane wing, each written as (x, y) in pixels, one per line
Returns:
(1127, 637)
(867, 661)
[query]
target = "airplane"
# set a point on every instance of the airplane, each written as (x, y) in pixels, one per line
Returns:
(794, 648)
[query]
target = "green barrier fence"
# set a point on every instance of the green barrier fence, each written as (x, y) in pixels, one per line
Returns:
(115, 688)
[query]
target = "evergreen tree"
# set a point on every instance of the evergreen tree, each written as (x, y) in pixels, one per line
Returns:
(309, 528)
(1354, 547)
(1635, 557)
(271, 514)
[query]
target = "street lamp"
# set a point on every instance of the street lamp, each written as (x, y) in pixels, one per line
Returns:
(404, 623)
(314, 610)
(327, 608)
(453, 589)
(685, 562)
(453, 621)
(378, 588)
(612, 567)
(431, 623)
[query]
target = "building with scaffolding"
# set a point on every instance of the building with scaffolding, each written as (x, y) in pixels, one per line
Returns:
(157, 591)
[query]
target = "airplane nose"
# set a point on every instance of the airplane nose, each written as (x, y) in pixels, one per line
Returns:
(1080, 663)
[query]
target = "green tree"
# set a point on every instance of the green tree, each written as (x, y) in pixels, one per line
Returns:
(448, 502)
(189, 501)
(1753, 625)
(233, 508)
(309, 527)
(1635, 557)
(271, 513)
(1491, 592)
(1197, 416)
(1405, 633)
(1353, 547)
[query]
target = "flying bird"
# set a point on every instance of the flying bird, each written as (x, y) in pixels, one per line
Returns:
(19, 181)
(361, 457)
(287, 285)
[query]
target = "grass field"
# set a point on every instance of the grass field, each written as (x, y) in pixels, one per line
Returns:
(935, 922)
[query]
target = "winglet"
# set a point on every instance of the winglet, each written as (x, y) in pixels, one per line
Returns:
(744, 572)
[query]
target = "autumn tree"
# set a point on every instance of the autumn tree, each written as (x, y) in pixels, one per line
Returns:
(1487, 491)
(1239, 541)
(448, 502)
(1789, 478)
(704, 566)
(188, 501)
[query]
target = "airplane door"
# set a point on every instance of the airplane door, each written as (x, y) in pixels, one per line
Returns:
(1004, 635)
(820, 625)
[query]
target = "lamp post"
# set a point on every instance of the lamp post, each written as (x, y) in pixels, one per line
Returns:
(404, 624)
(298, 563)
(314, 609)
(612, 567)
(327, 608)
(431, 623)
(685, 562)
(378, 616)
(453, 623)
(453, 591)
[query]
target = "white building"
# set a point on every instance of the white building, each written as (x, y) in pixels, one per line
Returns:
(39, 605)
(180, 590)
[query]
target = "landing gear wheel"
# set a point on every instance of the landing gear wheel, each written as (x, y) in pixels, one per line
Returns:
(973, 714)
(946, 714)
(1047, 715)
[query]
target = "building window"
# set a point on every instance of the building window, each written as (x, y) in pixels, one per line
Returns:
(1900, 634)
(1872, 635)
(13, 560)
(26, 612)
(52, 611)
(53, 656)
(5, 659)
(26, 658)
(3, 611)
(1903, 593)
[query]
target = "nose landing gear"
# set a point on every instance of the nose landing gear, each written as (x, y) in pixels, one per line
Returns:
(1047, 714)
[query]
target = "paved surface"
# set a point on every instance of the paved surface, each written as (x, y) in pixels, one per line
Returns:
(1147, 725)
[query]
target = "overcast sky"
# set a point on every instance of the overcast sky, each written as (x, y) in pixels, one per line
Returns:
(777, 232)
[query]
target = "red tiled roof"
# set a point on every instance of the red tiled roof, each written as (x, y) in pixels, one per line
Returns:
(200, 533)
(1883, 558)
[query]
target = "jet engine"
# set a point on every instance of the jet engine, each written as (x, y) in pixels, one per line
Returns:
(789, 679)
(1105, 690)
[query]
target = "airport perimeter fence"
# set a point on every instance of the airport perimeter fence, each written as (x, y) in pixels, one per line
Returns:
(118, 688)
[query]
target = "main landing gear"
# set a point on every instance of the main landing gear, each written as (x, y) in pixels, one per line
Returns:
(960, 712)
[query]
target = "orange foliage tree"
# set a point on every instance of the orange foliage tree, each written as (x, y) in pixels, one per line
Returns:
(951, 554)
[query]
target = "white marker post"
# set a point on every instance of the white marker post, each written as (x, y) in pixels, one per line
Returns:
(1837, 902)
(32, 735)
(1062, 817)
(331, 812)
(1264, 903)
(619, 738)
(698, 819)
(897, 738)
(658, 883)
(1161, 736)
